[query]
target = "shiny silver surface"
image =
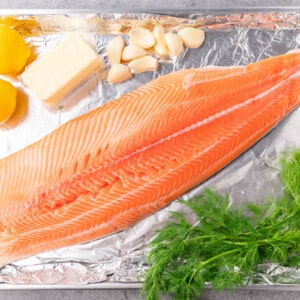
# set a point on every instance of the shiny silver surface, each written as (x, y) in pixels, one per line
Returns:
(261, 157)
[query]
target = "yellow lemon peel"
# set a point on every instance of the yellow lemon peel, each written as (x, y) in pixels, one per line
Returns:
(8, 100)
(14, 51)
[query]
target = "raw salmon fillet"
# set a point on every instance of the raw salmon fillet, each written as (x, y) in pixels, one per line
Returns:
(105, 170)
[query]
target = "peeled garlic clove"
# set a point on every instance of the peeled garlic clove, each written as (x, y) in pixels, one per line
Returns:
(118, 73)
(160, 46)
(192, 37)
(174, 44)
(143, 64)
(114, 50)
(132, 51)
(142, 37)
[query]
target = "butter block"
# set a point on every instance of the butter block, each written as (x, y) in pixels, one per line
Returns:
(62, 69)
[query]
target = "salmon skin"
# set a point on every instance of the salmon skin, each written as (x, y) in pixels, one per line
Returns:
(105, 170)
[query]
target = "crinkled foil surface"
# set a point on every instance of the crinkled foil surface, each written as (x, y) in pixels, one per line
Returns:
(231, 39)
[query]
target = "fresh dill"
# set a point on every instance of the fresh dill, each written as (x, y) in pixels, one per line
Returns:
(227, 244)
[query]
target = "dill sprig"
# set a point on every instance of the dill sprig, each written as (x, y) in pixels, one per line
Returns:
(227, 245)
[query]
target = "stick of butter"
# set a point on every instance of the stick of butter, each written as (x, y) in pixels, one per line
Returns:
(62, 69)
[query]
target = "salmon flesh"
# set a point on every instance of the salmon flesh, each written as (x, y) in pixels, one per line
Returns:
(103, 171)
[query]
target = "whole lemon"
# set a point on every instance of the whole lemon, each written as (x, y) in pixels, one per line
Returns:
(14, 52)
(8, 100)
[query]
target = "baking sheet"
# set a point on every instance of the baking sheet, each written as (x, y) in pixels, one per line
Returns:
(231, 39)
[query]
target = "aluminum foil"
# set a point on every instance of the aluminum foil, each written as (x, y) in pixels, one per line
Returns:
(231, 40)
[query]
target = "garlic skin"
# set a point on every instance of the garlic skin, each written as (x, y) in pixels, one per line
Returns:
(114, 50)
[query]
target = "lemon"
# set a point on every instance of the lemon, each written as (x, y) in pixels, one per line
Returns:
(8, 100)
(14, 52)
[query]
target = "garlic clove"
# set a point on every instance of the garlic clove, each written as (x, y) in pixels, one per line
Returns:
(160, 46)
(192, 37)
(174, 44)
(118, 73)
(142, 37)
(132, 51)
(114, 49)
(143, 64)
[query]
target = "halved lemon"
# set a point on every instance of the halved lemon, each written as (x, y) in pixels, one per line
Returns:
(14, 51)
(8, 100)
